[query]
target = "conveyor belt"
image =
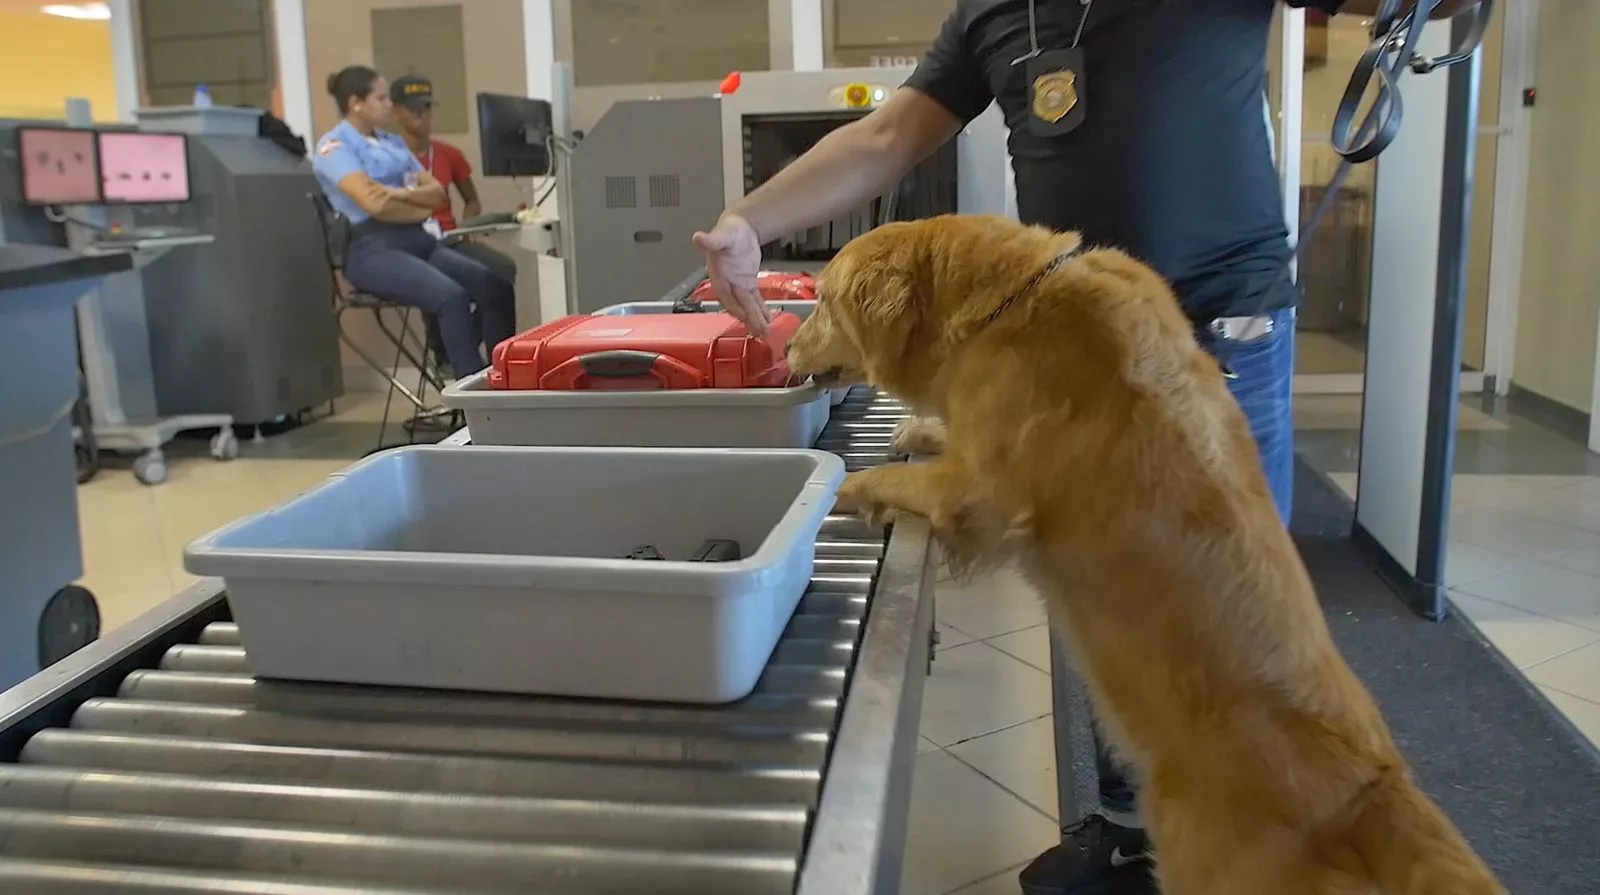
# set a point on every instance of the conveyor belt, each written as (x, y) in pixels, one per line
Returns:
(186, 774)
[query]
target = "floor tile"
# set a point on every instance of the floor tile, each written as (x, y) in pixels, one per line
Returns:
(991, 604)
(1581, 559)
(1465, 563)
(1031, 645)
(1588, 486)
(1516, 534)
(1525, 638)
(1546, 589)
(1576, 672)
(1526, 496)
(1021, 758)
(964, 828)
(926, 745)
(1346, 482)
(976, 689)
(949, 636)
(1583, 714)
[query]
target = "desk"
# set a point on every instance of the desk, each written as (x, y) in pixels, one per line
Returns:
(39, 551)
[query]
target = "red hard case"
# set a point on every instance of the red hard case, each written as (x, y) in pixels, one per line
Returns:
(773, 286)
(642, 352)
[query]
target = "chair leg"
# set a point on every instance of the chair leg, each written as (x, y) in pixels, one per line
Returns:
(375, 364)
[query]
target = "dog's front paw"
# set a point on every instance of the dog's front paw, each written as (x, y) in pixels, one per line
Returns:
(857, 498)
(919, 435)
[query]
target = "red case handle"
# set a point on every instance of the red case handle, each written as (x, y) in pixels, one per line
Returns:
(621, 371)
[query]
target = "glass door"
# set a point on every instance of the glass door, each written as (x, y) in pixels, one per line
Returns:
(1311, 58)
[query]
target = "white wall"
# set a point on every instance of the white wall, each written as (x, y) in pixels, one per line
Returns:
(1558, 311)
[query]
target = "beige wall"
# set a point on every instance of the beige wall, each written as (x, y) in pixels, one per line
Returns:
(616, 42)
(856, 31)
(339, 33)
(1559, 307)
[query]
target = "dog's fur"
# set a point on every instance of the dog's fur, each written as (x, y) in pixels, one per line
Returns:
(1089, 430)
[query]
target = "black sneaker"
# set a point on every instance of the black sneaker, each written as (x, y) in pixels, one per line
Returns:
(1092, 851)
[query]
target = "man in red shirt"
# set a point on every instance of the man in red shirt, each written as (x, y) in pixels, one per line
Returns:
(413, 115)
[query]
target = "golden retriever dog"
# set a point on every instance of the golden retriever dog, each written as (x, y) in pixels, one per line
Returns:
(1079, 426)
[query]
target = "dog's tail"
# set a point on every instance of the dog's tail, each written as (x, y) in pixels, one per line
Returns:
(1412, 848)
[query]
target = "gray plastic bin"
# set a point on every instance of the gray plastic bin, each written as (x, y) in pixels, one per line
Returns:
(211, 121)
(711, 417)
(500, 568)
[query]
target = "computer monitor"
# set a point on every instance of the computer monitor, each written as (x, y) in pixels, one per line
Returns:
(58, 166)
(143, 168)
(515, 133)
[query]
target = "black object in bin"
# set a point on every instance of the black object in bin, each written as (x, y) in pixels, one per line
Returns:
(717, 550)
(713, 550)
(682, 295)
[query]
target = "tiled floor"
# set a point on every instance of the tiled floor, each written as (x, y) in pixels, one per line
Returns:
(1524, 566)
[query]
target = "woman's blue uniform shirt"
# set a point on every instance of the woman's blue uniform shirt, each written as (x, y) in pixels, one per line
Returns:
(344, 150)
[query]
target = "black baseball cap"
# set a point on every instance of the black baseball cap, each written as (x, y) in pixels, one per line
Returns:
(411, 91)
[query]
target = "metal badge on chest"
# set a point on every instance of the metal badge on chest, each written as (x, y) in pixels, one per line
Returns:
(1056, 81)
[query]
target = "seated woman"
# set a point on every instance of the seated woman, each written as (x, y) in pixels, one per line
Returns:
(371, 177)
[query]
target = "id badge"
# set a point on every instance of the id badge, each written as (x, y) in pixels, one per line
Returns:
(1055, 91)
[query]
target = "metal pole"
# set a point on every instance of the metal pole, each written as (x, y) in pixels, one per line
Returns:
(1444, 386)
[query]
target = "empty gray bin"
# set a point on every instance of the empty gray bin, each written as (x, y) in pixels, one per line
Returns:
(501, 568)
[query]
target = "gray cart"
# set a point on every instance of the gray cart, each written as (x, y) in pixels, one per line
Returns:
(152, 761)
(42, 616)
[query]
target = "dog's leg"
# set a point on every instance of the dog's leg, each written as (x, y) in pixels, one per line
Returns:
(924, 435)
(937, 490)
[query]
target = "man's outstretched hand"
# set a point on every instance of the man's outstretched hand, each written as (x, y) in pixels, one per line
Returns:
(733, 258)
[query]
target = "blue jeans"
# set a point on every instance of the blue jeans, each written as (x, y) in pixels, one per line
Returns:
(408, 266)
(1264, 388)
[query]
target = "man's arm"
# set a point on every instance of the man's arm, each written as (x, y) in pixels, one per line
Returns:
(1446, 8)
(845, 168)
(471, 206)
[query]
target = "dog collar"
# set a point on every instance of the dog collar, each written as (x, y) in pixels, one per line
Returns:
(1040, 277)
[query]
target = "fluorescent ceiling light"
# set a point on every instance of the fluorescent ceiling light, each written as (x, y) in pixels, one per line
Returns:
(87, 11)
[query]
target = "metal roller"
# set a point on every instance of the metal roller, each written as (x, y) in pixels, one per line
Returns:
(729, 744)
(447, 864)
(66, 878)
(488, 818)
(233, 659)
(173, 771)
(154, 685)
(410, 772)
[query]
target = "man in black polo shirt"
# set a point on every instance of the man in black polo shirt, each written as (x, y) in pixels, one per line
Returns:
(1141, 123)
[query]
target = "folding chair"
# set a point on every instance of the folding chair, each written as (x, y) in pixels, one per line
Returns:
(409, 345)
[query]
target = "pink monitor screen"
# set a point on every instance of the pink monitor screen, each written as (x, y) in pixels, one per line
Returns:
(58, 166)
(144, 167)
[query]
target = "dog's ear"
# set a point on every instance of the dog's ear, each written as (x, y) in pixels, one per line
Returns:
(880, 302)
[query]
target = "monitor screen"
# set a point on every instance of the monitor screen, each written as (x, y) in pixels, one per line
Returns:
(58, 166)
(143, 168)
